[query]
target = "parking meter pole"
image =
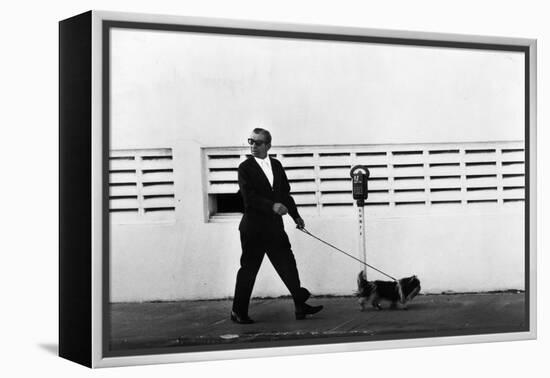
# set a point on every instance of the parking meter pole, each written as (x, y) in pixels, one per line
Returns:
(362, 233)
(360, 191)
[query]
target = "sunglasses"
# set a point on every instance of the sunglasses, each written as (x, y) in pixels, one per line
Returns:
(255, 142)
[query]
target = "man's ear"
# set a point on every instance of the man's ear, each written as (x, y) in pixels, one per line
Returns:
(268, 146)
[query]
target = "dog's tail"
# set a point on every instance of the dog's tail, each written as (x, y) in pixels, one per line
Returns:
(361, 284)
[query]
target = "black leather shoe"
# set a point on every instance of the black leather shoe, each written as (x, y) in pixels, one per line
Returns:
(306, 309)
(240, 319)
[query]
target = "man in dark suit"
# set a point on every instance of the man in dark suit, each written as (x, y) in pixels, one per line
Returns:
(265, 191)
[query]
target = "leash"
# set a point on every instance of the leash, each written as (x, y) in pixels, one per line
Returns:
(305, 231)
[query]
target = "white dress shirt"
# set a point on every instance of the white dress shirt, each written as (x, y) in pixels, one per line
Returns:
(265, 164)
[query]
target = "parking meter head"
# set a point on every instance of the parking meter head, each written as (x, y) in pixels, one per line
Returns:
(360, 175)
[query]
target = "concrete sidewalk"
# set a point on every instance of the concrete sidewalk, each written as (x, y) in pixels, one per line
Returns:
(193, 323)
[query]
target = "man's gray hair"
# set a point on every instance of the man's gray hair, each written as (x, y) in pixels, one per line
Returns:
(264, 132)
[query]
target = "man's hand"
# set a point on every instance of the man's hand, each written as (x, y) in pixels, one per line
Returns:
(279, 208)
(300, 223)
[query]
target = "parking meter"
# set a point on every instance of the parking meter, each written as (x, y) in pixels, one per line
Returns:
(360, 177)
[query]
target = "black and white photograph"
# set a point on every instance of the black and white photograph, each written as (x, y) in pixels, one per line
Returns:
(291, 188)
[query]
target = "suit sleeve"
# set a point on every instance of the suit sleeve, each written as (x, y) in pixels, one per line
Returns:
(251, 198)
(288, 201)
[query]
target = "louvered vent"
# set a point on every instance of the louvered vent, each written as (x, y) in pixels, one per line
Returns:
(402, 176)
(141, 185)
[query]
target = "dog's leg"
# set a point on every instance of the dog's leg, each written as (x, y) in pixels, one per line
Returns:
(375, 303)
(362, 302)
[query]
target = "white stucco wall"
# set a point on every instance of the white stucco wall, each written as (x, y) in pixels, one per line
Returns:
(188, 91)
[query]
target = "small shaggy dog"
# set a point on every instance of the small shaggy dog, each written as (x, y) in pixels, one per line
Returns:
(400, 291)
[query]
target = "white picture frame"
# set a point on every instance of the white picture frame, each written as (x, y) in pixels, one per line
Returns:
(85, 276)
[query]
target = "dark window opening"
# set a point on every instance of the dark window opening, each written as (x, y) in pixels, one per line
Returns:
(229, 203)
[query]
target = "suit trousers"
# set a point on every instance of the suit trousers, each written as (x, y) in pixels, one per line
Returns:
(276, 245)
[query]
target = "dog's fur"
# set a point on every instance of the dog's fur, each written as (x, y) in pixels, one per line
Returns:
(396, 292)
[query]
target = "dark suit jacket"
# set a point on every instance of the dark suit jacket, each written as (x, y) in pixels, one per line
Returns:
(259, 197)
